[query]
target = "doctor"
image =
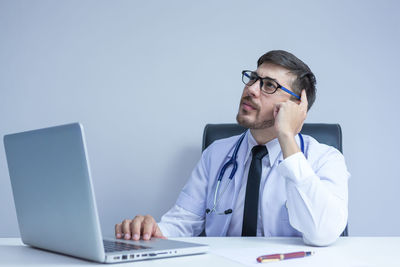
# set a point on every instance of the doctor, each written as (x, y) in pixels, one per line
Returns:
(277, 189)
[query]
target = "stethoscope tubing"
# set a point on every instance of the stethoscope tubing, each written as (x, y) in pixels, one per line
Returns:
(233, 162)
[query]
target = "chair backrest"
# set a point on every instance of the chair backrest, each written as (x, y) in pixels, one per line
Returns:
(330, 134)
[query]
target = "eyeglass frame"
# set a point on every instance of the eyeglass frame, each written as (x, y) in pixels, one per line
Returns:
(244, 72)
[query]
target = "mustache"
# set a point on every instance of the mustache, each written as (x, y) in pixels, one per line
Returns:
(249, 101)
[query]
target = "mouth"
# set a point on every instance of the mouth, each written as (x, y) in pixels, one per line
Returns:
(247, 105)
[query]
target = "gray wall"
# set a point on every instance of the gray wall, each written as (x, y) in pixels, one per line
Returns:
(144, 77)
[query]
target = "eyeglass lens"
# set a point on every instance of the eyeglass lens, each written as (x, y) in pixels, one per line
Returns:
(267, 84)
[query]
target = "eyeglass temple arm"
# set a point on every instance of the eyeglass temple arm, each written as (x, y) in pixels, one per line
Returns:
(290, 92)
(283, 88)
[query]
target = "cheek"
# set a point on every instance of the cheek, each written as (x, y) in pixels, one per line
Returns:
(283, 96)
(265, 113)
(267, 109)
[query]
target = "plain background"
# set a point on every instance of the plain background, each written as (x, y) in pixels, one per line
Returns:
(144, 78)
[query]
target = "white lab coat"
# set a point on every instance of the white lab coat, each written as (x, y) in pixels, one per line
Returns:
(303, 195)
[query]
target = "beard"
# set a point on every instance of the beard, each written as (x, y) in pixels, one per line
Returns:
(245, 122)
(254, 124)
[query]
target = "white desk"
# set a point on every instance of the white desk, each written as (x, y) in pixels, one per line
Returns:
(347, 251)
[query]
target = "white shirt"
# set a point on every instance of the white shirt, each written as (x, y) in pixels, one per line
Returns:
(298, 196)
(235, 228)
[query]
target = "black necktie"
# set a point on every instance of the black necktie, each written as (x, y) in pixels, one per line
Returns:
(252, 192)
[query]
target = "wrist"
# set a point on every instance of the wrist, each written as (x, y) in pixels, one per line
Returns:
(288, 144)
(285, 136)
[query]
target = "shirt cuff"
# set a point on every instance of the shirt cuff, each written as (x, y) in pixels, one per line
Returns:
(296, 168)
(163, 229)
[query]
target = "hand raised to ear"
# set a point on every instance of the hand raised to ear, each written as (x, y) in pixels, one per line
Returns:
(290, 116)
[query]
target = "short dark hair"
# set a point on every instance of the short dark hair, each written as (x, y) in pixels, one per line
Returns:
(305, 79)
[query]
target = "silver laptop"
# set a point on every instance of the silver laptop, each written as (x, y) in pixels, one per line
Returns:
(55, 202)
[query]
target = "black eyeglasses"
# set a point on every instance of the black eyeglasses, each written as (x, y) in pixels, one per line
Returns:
(267, 84)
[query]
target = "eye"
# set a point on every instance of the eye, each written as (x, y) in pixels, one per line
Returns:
(270, 84)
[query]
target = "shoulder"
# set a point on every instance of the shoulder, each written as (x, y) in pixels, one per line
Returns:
(217, 151)
(221, 146)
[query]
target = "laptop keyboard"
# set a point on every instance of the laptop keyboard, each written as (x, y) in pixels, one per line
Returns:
(113, 246)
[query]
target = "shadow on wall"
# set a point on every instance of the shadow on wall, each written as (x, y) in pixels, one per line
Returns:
(185, 160)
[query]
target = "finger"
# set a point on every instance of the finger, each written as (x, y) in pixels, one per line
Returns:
(158, 233)
(276, 109)
(126, 228)
(136, 227)
(148, 225)
(118, 230)
(303, 99)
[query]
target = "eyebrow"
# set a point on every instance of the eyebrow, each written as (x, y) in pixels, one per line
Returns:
(267, 77)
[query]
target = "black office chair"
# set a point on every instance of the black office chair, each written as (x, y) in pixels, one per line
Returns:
(330, 134)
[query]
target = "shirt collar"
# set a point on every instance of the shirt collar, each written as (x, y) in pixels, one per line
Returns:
(273, 147)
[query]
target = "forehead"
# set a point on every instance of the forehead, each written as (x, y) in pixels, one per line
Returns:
(278, 73)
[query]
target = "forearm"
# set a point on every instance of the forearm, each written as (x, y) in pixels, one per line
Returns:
(178, 222)
(317, 207)
(288, 144)
(316, 213)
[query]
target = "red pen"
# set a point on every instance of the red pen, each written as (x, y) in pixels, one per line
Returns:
(285, 256)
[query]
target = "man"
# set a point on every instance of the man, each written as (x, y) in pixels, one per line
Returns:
(277, 190)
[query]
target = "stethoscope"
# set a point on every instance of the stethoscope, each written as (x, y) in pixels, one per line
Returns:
(234, 164)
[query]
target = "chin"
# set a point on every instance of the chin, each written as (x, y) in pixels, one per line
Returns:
(243, 121)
